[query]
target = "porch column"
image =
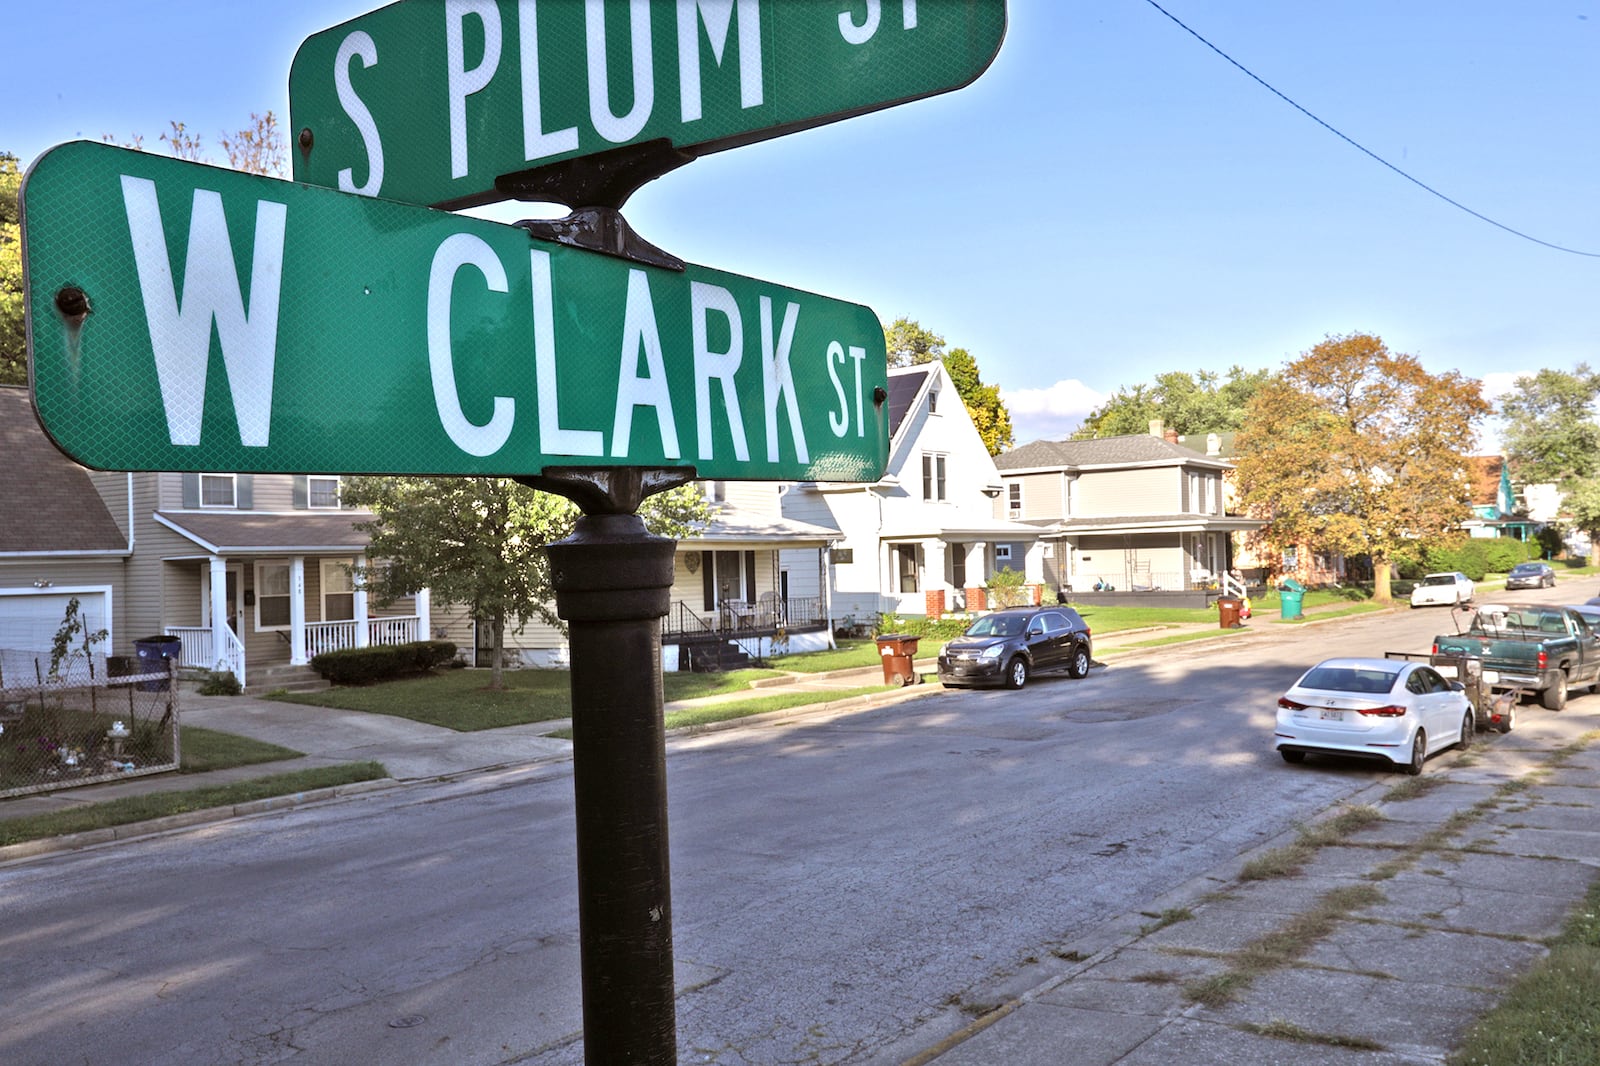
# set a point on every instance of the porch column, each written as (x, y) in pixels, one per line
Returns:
(359, 597)
(219, 609)
(297, 611)
(977, 575)
(1033, 563)
(424, 601)
(933, 569)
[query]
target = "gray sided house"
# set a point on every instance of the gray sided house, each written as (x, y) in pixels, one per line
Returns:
(1138, 513)
(253, 573)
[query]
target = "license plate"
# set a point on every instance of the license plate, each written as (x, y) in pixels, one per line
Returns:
(1331, 716)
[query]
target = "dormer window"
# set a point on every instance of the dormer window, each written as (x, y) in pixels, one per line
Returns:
(218, 490)
(933, 401)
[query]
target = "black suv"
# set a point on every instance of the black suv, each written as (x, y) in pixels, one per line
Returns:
(1005, 646)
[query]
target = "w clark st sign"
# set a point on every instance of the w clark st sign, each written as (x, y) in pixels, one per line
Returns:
(185, 317)
(430, 101)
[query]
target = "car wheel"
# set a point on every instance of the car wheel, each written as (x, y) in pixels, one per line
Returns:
(1469, 727)
(1419, 752)
(1295, 757)
(1016, 672)
(1555, 697)
(1508, 716)
(1079, 666)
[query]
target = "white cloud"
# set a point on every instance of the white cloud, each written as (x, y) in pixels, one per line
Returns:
(1069, 398)
(1500, 382)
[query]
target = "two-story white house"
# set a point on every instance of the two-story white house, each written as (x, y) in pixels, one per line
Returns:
(1137, 513)
(925, 538)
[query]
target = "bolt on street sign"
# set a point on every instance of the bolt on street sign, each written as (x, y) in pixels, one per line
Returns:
(187, 317)
(430, 102)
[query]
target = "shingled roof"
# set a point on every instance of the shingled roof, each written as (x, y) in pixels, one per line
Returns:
(50, 503)
(1133, 450)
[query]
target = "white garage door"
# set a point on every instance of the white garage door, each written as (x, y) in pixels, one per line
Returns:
(29, 620)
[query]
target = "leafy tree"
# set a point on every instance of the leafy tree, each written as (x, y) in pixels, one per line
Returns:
(1583, 510)
(1551, 433)
(1357, 449)
(988, 412)
(1184, 402)
(481, 542)
(13, 344)
(909, 344)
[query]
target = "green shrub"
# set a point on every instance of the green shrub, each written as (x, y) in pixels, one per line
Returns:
(1502, 553)
(384, 662)
(1006, 588)
(219, 683)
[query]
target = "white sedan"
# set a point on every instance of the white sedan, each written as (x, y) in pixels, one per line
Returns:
(1387, 709)
(1450, 589)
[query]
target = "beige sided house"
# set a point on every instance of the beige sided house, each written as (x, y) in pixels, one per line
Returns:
(251, 572)
(1139, 513)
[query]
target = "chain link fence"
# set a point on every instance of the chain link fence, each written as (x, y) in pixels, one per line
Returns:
(92, 719)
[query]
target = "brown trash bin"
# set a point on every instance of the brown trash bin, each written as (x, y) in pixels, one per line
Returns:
(897, 651)
(1228, 612)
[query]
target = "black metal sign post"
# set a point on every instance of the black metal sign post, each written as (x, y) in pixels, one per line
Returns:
(613, 584)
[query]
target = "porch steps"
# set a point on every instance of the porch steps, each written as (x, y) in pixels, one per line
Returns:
(717, 656)
(284, 678)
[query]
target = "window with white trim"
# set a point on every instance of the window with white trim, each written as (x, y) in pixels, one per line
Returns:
(272, 595)
(322, 492)
(1014, 499)
(933, 476)
(338, 590)
(1002, 553)
(218, 490)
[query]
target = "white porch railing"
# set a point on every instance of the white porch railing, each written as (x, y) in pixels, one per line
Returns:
(333, 636)
(198, 651)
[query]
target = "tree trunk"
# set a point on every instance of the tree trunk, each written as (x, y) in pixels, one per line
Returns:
(497, 628)
(1380, 580)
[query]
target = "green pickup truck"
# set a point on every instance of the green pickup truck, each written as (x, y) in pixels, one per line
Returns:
(1543, 649)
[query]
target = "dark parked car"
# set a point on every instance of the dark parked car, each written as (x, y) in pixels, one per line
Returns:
(1531, 576)
(1005, 646)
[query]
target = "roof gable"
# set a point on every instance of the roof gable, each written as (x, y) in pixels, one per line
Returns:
(51, 505)
(1137, 449)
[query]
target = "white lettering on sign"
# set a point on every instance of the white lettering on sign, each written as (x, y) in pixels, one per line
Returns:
(454, 252)
(462, 82)
(360, 44)
(639, 331)
(553, 439)
(180, 332)
(839, 421)
(861, 33)
(777, 380)
(536, 142)
(716, 14)
(613, 127)
(704, 299)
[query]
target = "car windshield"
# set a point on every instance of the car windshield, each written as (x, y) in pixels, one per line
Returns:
(1371, 680)
(1525, 568)
(1439, 579)
(997, 625)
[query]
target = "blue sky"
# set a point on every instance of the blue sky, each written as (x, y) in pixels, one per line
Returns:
(1111, 200)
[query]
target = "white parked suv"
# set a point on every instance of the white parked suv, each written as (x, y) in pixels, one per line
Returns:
(1448, 589)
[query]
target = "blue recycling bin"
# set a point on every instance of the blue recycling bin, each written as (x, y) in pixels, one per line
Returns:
(153, 654)
(1291, 594)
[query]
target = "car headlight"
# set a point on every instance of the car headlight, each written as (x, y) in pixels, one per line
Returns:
(993, 651)
(943, 649)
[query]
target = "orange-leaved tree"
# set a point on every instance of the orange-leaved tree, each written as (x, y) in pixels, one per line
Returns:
(1358, 449)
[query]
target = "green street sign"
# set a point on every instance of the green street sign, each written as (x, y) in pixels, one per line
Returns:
(186, 317)
(429, 102)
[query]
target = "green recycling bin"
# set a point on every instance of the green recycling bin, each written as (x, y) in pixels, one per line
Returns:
(1291, 594)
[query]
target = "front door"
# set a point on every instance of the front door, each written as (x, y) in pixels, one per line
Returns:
(234, 597)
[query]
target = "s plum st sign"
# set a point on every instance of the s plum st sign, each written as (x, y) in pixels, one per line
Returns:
(429, 101)
(186, 317)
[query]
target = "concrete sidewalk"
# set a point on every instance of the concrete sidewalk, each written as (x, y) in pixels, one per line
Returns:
(1434, 911)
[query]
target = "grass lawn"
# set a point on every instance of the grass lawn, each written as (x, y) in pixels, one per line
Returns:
(207, 749)
(849, 654)
(461, 699)
(132, 809)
